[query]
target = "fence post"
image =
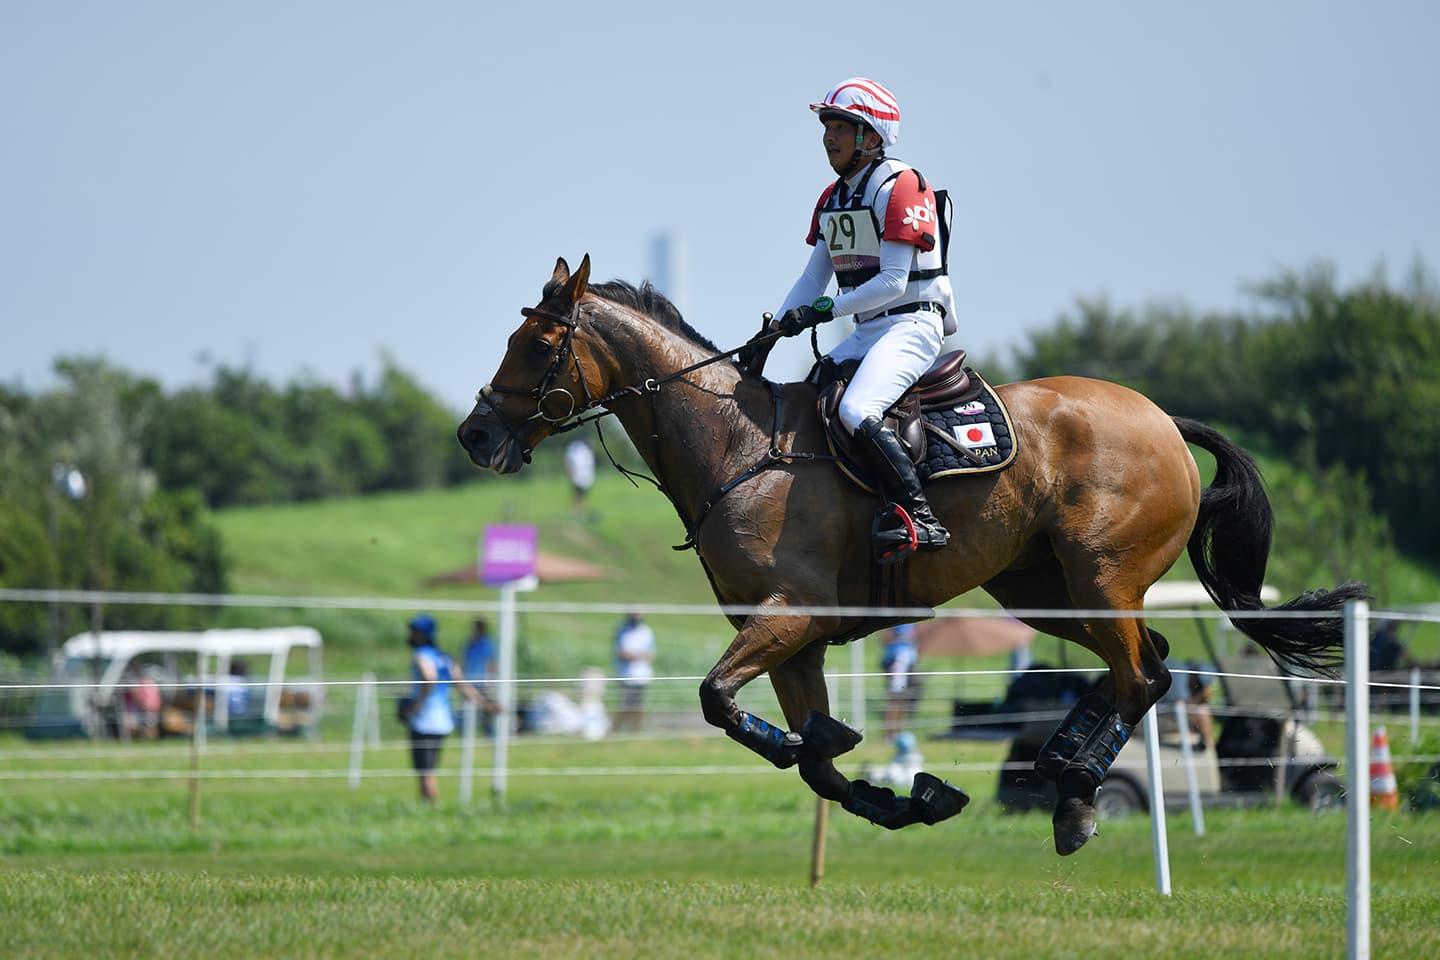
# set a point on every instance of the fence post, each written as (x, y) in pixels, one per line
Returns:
(1197, 809)
(365, 711)
(1357, 780)
(1157, 802)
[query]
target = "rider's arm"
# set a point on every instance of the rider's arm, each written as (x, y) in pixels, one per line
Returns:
(812, 283)
(885, 287)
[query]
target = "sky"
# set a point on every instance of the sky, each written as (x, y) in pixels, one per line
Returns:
(303, 189)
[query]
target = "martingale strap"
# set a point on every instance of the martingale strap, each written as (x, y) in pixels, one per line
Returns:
(772, 457)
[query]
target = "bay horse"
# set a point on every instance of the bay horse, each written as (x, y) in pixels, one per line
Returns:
(1099, 502)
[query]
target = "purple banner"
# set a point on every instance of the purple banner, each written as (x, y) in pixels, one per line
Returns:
(508, 553)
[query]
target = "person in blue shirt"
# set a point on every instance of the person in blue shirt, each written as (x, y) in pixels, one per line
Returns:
(902, 687)
(429, 714)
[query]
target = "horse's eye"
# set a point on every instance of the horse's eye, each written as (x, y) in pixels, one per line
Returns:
(540, 345)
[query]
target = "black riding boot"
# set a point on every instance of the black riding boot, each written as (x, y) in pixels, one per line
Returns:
(897, 478)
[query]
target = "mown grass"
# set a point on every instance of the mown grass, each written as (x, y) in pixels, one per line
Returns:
(597, 852)
(646, 864)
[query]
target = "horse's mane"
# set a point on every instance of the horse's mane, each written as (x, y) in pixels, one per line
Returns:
(647, 300)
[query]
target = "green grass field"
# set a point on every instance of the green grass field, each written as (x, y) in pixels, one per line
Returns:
(675, 844)
(585, 863)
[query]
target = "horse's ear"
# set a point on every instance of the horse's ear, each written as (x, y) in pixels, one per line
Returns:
(562, 271)
(577, 282)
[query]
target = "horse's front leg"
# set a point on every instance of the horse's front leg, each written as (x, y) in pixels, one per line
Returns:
(792, 651)
(800, 687)
(764, 643)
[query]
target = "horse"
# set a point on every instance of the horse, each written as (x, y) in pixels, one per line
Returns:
(1099, 502)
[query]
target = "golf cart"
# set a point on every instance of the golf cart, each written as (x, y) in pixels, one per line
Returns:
(104, 668)
(1263, 750)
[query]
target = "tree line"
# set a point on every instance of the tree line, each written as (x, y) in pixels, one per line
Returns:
(107, 480)
(1340, 387)
(1343, 385)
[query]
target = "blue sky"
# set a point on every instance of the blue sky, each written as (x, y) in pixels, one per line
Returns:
(301, 187)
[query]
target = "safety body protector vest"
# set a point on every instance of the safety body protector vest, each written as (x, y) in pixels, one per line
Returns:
(914, 213)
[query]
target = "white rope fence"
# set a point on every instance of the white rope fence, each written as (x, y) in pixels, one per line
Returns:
(1356, 688)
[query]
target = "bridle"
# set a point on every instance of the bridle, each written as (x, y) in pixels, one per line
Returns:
(574, 415)
(545, 391)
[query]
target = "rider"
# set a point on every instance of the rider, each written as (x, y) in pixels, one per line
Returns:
(876, 231)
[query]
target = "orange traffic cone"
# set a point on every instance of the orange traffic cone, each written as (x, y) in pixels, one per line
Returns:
(1384, 792)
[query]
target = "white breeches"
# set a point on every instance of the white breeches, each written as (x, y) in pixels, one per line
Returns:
(895, 351)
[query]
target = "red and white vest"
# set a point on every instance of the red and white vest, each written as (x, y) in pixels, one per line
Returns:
(852, 229)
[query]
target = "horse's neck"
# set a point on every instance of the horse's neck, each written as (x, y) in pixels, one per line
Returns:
(694, 431)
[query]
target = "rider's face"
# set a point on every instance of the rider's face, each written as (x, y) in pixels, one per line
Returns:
(839, 142)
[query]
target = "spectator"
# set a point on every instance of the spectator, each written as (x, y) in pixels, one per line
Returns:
(1200, 689)
(902, 687)
(141, 703)
(236, 689)
(634, 664)
(479, 663)
(480, 655)
(580, 469)
(429, 713)
(1386, 651)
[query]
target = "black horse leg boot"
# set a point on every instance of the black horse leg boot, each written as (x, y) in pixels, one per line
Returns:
(898, 480)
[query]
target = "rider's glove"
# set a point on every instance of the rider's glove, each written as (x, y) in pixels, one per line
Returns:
(799, 319)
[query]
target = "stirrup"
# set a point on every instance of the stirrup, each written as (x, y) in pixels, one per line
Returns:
(895, 534)
(892, 534)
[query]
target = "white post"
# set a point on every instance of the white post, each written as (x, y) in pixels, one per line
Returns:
(357, 729)
(467, 749)
(1157, 803)
(505, 667)
(1197, 809)
(372, 707)
(857, 684)
(1357, 780)
(1414, 705)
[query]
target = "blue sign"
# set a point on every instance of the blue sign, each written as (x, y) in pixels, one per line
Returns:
(508, 553)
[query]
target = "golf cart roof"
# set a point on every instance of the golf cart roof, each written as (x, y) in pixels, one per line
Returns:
(124, 644)
(1191, 593)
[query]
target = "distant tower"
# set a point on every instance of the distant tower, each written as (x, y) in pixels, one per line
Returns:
(667, 267)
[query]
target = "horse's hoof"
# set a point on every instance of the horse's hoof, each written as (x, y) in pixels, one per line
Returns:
(935, 800)
(827, 737)
(1074, 823)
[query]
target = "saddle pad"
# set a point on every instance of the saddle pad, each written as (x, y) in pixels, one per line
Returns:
(973, 437)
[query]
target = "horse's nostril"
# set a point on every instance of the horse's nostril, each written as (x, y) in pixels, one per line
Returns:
(472, 438)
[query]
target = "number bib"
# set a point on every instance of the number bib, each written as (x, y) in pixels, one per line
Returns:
(852, 239)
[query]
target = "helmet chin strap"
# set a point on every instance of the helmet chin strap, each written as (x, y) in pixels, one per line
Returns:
(861, 154)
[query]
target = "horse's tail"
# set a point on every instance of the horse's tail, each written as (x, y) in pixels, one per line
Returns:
(1229, 548)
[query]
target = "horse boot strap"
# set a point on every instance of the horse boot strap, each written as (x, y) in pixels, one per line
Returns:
(828, 738)
(781, 747)
(934, 799)
(880, 805)
(1086, 743)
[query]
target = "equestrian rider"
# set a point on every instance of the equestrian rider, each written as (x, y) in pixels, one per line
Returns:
(875, 230)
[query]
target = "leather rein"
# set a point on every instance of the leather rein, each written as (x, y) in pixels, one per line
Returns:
(574, 414)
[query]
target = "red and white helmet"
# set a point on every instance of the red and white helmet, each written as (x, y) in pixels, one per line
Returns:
(858, 100)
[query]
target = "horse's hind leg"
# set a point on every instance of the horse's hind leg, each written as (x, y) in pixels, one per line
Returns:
(1080, 752)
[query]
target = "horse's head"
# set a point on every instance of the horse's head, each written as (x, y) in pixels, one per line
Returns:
(541, 382)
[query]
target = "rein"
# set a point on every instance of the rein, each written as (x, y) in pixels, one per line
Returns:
(575, 414)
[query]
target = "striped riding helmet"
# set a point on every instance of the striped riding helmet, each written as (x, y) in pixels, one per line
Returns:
(858, 100)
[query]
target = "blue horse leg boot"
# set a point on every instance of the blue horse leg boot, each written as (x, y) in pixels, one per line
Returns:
(934, 800)
(780, 747)
(880, 805)
(1086, 742)
(827, 737)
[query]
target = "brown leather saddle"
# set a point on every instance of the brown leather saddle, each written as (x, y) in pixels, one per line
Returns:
(946, 384)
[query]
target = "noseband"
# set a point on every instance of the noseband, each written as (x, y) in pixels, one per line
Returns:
(543, 392)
